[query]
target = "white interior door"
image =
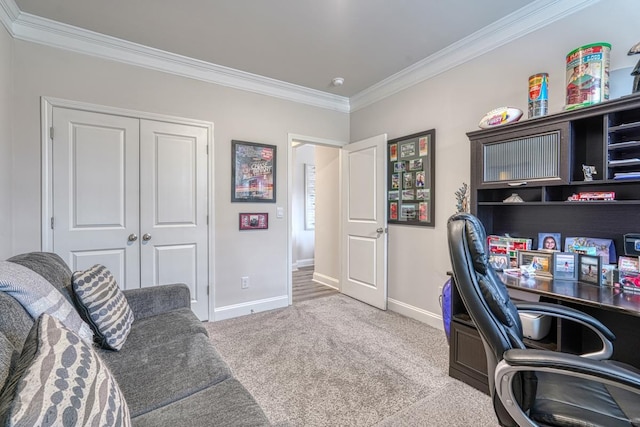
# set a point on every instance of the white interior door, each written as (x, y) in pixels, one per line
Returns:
(95, 192)
(364, 237)
(132, 194)
(173, 208)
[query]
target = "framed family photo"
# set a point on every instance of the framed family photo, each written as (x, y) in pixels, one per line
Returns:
(499, 262)
(253, 172)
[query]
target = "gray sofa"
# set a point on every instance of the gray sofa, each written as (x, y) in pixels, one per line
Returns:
(169, 372)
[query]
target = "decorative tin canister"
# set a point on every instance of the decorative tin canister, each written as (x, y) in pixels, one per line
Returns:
(588, 75)
(538, 95)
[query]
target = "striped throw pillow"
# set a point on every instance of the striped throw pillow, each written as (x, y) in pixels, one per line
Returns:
(38, 296)
(59, 380)
(103, 305)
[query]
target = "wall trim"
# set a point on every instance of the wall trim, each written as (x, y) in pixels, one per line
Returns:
(331, 282)
(302, 263)
(534, 16)
(8, 14)
(250, 307)
(432, 319)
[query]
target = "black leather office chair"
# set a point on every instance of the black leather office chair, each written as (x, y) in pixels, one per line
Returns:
(537, 387)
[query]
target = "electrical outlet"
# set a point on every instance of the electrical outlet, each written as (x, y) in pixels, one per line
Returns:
(244, 282)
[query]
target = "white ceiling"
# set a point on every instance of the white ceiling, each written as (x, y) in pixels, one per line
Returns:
(303, 42)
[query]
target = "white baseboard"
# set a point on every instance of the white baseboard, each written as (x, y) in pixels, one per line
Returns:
(251, 307)
(305, 262)
(424, 316)
(326, 280)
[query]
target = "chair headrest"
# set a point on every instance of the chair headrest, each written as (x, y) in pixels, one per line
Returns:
(476, 239)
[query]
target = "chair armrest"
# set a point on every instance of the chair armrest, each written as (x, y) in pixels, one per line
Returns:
(518, 360)
(573, 365)
(606, 336)
(154, 300)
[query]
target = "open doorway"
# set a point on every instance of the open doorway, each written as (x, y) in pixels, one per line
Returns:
(314, 218)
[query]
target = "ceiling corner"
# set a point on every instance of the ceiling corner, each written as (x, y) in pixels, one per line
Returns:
(8, 14)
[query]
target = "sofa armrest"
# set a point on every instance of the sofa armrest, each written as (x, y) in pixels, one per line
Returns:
(153, 300)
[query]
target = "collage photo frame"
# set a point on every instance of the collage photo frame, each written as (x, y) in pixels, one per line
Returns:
(411, 179)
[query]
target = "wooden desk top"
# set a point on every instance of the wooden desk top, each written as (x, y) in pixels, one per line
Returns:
(614, 299)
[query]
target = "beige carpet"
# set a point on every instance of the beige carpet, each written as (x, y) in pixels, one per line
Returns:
(337, 362)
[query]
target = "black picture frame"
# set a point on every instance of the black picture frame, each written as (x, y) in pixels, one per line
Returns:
(565, 265)
(411, 162)
(253, 172)
(590, 269)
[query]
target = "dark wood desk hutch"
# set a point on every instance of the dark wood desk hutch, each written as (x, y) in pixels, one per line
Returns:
(541, 160)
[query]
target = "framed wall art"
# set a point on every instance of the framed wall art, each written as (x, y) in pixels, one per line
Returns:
(254, 221)
(411, 179)
(253, 172)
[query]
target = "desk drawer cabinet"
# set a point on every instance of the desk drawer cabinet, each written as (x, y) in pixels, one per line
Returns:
(467, 360)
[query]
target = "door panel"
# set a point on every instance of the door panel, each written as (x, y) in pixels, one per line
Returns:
(176, 180)
(362, 178)
(364, 264)
(95, 192)
(115, 260)
(173, 208)
(177, 264)
(360, 251)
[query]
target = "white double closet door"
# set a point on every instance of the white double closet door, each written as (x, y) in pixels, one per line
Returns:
(132, 194)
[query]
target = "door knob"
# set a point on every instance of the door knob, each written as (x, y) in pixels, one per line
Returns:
(146, 237)
(380, 231)
(133, 237)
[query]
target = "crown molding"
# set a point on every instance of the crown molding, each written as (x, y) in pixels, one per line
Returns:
(532, 17)
(536, 15)
(8, 13)
(43, 31)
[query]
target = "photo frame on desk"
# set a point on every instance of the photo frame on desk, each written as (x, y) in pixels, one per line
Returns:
(565, 266)
(590, 269)
(411, 179)
(540, 260)
(499, 262)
